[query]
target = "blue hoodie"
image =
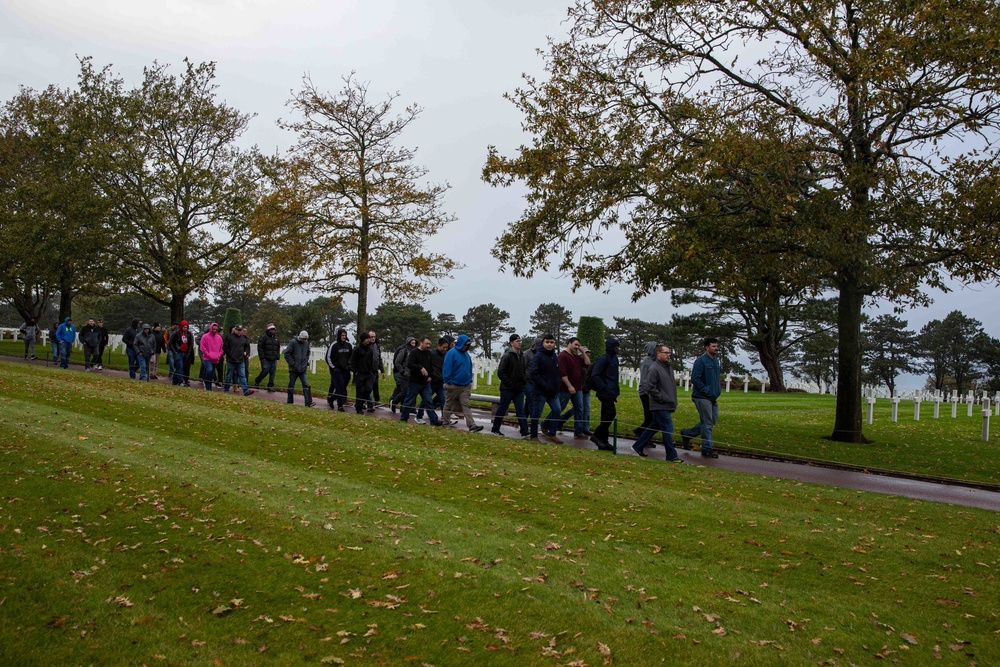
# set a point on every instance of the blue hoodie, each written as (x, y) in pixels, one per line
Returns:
(457, 368)
(66, 332)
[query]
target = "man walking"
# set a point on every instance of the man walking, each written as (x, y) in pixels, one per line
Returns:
(268, 351)
(378, 369)
(418, 364)
(661, 389)
(29, 332)
(145, 347)
(437, 379)
(457, 374)
(180, 346)
(544, 374)
(297, 356)
(365, 373)
(511, 374)
(210, 347)
(572, 361)
(128, 338)
(161, 346)
(604, 380)
(66, 334)
(237, 348)
(705, 389)
(90, 338)
(401, 372)
(105, 338)
(338, 360)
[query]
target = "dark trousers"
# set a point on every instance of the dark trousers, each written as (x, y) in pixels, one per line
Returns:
(399, 393)
(647, 414)
(426, 401)
(269, 368)
(608, 413)
(374, 389)
(90, 358)
(306, 389)
(363, 393)
(506, 398)
(338, 387)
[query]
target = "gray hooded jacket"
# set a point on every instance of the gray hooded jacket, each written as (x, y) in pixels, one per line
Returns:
(647, 362)
(661, 387)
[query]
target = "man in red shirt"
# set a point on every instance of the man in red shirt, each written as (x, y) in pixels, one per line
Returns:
(572, 362)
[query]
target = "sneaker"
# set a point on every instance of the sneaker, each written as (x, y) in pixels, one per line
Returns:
(250, 393)
(419, 421)
(686, 442)
(34, 357)
(371, 410)
(677, 460)
(475, 428)
(453, 421)
(553, 439)
(527, 436)
(497, 433)
(709, 454)
(639, 450)
(581, 434)
(311, 404)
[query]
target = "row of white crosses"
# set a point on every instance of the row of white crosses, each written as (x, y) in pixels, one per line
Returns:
(938, 397)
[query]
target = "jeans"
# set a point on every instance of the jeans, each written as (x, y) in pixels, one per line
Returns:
(171, 371)
(306, 389)
(64, 352)
(426, 401)
(506, 398)
(143, 366)
(663, 422)
(575, 399)
(268, 367)
(236, 373)
(586, 410)
(536, 413)
(133, 361)
(207, 373)
(609, 412)
(437, 391)
(708, 414)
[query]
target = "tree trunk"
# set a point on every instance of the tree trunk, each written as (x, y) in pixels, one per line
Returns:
(176, 308)
(847, 425)
(771, 362)
(65, 304)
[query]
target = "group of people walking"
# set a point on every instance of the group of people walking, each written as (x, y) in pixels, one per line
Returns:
(440, 376)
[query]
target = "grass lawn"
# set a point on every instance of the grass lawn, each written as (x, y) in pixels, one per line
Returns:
(796, 424)
(140, 524)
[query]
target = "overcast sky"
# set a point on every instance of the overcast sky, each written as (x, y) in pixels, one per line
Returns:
(454, 58)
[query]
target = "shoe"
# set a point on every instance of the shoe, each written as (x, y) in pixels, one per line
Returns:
(709, 454)
(677, 460)
(686, 442)
(441, 424)
(597, 441)
(588, 433)
(371, 410)
(526, 436)
(250, 393)
(341, 409)
(392, 408)
(311, 404)
(270, 390)
(638, 450)
(420, 421)
(453, 421)
(580, 435)
(497, 433)
(475, 428)
(34, 357)
(553, 439)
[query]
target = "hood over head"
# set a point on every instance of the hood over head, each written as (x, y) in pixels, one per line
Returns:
(135, 323)
(410, 339)
(611, 345)
(461, 341)
(651, 349)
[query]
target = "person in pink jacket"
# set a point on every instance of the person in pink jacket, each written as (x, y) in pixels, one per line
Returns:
(210, 347)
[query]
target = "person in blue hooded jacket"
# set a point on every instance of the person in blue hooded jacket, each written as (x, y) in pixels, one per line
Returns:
(457, 374)
(604, 380)
(66, 335)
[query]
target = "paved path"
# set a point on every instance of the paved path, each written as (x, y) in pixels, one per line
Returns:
(944, 493)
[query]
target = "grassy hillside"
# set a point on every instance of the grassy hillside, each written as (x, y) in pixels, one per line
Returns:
(142, 524)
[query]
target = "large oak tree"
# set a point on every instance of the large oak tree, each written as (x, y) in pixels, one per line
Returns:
(852, 142)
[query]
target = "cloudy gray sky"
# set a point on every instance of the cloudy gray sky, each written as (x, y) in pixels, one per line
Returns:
(454, 58)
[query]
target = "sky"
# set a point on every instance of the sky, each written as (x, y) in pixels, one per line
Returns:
(454, 58)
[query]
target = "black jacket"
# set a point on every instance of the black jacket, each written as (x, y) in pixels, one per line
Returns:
(544, 372)
(90, 335)
(268, 347)
(176, 341)
(362, 360)
(416, 361)
(511, 372)
(237, 349)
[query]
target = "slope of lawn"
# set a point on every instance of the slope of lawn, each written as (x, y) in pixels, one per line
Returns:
(141, 524)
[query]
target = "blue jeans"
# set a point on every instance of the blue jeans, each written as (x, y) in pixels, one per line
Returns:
(663, 422)
(306, 389)
(236, 373)
(426, 401)
(586, 410)
(143, 367)
(506, 398)
(576, 399)
(437, 391)
(549, 424)
(170, 366)
(133, 361)
(269, 368)
(207, 373)
(64, 352)
(708, 414)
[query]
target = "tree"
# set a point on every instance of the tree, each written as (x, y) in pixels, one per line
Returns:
(889, 349)
(350, 212)
(632, 334)
(54, 226)
(956, 348)
(815, 360)
(764, 318)
(852, 143)
(167, 157)
(591, 332)
(484, 324)
(446, 324)
(551, 318)
(394, 322)
(274, 311)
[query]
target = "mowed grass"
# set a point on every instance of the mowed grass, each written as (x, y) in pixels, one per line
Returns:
(797, 424)
(140, 524)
